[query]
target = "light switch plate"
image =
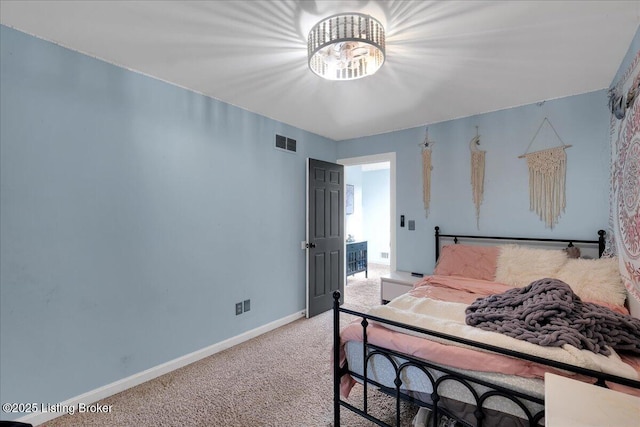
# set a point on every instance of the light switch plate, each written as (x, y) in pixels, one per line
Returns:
(412, 224)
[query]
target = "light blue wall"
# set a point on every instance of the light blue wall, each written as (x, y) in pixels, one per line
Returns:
(134, 215)
(582, 121)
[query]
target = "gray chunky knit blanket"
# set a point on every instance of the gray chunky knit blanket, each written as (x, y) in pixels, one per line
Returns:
(548, 313)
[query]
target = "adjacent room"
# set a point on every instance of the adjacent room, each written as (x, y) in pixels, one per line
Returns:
(200, 201)
(367, 227)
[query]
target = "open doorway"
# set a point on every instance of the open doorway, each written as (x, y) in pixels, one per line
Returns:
(369, 213)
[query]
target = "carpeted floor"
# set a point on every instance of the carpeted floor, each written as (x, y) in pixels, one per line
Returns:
(282, 378)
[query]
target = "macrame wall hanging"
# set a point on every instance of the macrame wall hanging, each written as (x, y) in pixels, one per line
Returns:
(547, 175)
(426, 171)
(477, 174)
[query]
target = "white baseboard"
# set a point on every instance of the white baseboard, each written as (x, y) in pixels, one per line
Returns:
(151, 373)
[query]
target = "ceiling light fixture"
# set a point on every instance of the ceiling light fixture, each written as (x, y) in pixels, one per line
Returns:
(346, 46)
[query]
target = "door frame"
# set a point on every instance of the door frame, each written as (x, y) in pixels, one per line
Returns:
(378, 158)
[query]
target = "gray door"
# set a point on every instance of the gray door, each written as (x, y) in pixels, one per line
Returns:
(325, 234)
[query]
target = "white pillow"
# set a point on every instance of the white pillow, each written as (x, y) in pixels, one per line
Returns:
(521, 265)
(595, 279)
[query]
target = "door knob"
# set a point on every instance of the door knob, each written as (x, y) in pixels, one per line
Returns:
(311, 245)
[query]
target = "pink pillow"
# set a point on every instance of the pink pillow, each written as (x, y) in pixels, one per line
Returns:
(474, 262)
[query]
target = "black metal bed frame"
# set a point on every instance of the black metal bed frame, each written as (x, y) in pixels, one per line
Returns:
(401, 361)
(569, 242)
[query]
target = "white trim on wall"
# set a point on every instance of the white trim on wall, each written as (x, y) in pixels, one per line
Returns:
(151, 373)
(378, 158)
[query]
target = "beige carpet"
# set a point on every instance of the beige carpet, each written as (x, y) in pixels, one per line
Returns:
(282, 378)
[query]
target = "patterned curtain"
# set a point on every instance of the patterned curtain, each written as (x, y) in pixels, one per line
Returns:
(625, 178)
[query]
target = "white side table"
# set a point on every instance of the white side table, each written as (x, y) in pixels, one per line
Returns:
(395, 284)
(569, 403)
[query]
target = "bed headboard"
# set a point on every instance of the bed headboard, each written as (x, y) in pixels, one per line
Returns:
(599, 243)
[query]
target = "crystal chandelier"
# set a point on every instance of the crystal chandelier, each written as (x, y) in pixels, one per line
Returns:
(346, 46)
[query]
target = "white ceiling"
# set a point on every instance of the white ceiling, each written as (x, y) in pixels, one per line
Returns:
(445, 59)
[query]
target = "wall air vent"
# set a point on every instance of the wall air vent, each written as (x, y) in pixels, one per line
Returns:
(291, 144)
(286, 144)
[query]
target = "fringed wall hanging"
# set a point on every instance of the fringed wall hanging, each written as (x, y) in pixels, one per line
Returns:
(477, 174)
(547, 175)
(426, 171)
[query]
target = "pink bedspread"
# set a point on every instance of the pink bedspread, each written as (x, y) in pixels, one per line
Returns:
(463, 290)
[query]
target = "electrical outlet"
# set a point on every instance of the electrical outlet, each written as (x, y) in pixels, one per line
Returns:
(247, 305)
(238, 308)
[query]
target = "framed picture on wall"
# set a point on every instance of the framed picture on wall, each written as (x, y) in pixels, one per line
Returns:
(349, 203)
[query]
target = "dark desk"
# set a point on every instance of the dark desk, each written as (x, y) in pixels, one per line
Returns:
(357, 258)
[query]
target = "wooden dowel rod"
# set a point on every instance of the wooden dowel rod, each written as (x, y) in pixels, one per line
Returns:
(524, 155)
